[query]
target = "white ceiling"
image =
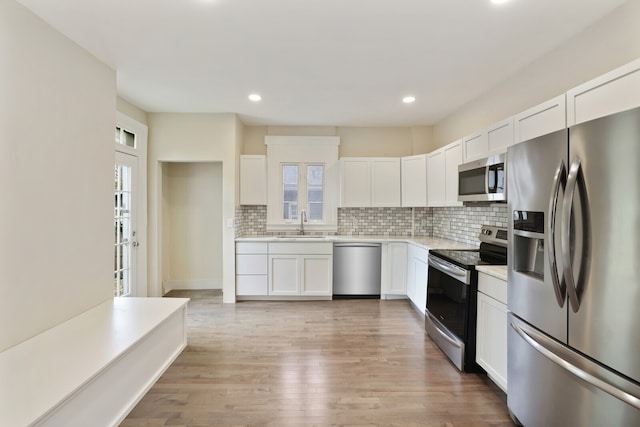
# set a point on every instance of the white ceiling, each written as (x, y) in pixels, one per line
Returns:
(316, 62)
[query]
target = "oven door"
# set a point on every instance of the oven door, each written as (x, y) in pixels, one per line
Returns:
(446, 317)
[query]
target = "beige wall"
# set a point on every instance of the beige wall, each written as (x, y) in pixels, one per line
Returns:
(177, 137)
(607, 44)
(57, 116)
(354, 141)
(193, 194)
(131, 110)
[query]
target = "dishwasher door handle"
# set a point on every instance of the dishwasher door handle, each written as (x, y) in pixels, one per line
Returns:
(356, 245)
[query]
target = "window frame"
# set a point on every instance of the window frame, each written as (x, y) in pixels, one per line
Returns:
(302, 152)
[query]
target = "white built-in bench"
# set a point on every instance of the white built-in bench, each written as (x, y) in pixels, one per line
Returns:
(93, 369)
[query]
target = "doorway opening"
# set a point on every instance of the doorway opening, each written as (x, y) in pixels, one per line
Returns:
(191, 229)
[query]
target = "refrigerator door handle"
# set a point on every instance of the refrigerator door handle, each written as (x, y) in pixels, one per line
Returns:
(558, 286)
(537, 342)
(567, 207)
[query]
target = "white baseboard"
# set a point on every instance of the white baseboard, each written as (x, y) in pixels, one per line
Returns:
(197, 284)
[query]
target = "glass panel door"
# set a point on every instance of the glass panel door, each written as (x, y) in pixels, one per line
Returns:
(124, 221)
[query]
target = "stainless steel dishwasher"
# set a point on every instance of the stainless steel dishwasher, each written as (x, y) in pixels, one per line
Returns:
(356, 270)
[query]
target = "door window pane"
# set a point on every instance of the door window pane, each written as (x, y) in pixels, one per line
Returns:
(125, 137)
(314, 191)
(290, 192)
(123, 232)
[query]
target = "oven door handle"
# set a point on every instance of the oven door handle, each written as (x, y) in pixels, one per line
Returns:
(451, 271)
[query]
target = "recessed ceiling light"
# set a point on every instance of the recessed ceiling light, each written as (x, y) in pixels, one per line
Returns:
(409, 99)
(499, 1)
(255, 97)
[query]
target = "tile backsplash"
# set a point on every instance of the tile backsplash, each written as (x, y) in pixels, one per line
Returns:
(461, 224)
(251, 220)
(374, 221)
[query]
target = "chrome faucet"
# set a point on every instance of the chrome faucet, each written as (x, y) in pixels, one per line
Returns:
(303, 219)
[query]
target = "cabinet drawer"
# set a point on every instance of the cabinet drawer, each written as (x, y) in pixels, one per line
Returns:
(251, 264)
(493, 287)
(251, 285)
(251, 248)
(311, 248)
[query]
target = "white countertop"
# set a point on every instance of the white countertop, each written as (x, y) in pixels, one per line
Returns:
(497, 271)
(425, 242)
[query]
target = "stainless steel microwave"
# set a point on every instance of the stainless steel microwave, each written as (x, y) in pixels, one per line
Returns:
(483, 180)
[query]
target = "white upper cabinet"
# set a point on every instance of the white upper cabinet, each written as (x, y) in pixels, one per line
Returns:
(253, 180)
(385, 182)
(500, 136)
(550, 116)
(442, 180)
(452, 159)
(370, 182)
(491, 140)
(414, 181)
(475, 146)
(355, 182)
(610, 93)
(436, 178)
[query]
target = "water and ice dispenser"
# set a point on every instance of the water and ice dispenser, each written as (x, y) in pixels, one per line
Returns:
(528, 243)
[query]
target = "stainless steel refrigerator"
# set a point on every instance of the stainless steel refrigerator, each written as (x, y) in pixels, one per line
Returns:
(574, 275)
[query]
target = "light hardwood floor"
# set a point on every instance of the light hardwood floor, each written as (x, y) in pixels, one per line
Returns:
(321, 363)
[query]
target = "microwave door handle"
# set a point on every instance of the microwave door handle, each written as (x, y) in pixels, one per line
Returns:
(487, 189)
(559, 180)
(567, 207)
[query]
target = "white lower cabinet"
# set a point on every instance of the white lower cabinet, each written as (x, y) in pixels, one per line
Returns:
(491, 328)
(251, 269)
(417, 277)
(300, 269)
(395, 272)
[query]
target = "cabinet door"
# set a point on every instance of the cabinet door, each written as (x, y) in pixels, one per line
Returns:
(397, 264)
(414, 181)
(355, 183)
(436, 178)
(452, 159)
(420, 276)
(491, 336)
(500, 136)
(284, 275)
(550, 116)
(385, 182)
(253, 180)
(317, 274)
(610, 93)
(417, 277)
(475, 146)
(411, 274)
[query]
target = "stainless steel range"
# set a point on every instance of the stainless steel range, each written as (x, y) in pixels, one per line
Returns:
(450, 318)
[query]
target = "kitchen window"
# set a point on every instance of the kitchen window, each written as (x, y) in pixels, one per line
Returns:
(310, 178)
(302, 174)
